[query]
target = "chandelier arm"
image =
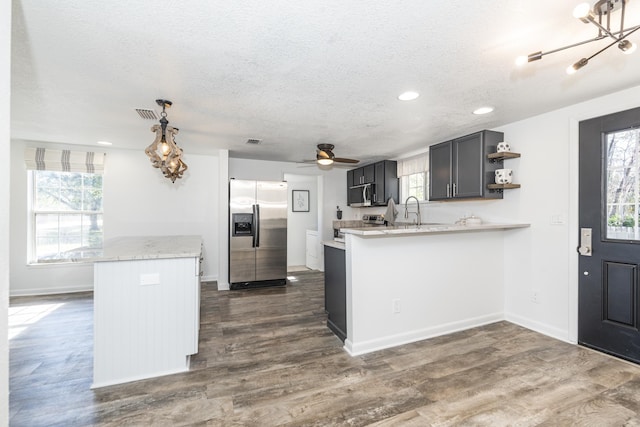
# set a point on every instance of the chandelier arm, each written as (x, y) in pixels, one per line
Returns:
(622, 10)
(603, 29)
(571, 45)
(621, 37)
(614, 42)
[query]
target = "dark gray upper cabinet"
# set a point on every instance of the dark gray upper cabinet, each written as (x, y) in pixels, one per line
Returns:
(363, 175)
(460, 169)
(386, 182)
(382, 178)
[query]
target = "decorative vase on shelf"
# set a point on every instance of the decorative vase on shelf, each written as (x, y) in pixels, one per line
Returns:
(338, 212)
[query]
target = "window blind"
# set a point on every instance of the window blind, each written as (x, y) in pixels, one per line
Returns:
(64, 160)
(413, 165)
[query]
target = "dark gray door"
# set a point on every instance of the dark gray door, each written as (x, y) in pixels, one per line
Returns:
(468, 166)
(440, 170)
(608, 309)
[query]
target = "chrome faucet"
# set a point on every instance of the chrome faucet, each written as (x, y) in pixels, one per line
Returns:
(406, 211)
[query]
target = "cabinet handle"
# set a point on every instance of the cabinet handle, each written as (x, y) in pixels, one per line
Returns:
(455, 189)
(448, 191)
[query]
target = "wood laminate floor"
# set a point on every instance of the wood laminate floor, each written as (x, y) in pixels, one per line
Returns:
(266, 359)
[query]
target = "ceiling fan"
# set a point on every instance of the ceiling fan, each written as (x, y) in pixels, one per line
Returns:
(325, 156)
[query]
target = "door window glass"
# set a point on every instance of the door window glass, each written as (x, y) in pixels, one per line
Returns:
(622, 165)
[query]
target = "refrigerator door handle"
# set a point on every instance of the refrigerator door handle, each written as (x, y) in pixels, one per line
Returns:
(256, 226)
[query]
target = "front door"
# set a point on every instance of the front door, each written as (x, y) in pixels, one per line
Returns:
(609, 206)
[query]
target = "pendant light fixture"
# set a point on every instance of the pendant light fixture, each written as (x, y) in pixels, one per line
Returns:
(600, 16)
(163, 152)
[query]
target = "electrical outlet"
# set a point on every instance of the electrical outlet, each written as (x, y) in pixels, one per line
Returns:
(396, 306)
(535, 296)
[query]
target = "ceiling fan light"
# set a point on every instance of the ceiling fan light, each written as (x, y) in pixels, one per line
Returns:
(583, 12)
(627, 47)
(325, 162)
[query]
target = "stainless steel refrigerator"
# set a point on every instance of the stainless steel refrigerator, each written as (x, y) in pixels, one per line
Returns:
(257, 233)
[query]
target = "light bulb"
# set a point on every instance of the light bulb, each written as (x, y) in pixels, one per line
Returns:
(164, 148)
(582, 12)
(325, 162)
(521, 60)
(627, 47)
(571, 69)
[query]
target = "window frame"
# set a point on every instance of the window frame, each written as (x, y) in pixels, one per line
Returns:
(405, 186)
(33, 211)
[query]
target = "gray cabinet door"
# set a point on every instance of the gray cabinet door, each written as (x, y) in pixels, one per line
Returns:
(368, 173)
(386, 185)
(440, 171)
(468, 161)
(460, 169)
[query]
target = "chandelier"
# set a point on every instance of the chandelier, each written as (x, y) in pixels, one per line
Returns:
(600, 16)
(163, 152)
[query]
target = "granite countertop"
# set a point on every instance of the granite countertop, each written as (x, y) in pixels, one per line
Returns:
(150, 247)
(411, 230)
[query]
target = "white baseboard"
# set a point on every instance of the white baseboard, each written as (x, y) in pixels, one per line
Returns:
(209, 278)
(551, 331)
(50, 290)
(419, 334)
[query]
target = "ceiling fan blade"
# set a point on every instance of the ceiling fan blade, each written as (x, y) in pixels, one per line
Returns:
(343, 160)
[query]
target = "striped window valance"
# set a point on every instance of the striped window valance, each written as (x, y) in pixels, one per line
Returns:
(64, 160)
(413, 165)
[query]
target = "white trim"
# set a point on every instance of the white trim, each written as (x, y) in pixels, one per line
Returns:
(542, 328)
(141, 377)
(51, 291)
(419, 335)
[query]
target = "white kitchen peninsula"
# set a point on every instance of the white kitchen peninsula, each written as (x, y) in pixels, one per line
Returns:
(146, 307)
(408, 284)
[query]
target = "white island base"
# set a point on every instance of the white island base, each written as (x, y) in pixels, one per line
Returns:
(146, 309)
(406, 287)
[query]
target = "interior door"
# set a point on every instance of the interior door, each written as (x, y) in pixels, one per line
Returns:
(608, 315)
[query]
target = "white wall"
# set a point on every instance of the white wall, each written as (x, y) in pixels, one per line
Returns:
(543, 257)
(299, 222)
(5, 121)
(138, 201)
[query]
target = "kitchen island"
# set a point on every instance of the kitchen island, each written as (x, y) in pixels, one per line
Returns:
(405, 284)
(146, 307)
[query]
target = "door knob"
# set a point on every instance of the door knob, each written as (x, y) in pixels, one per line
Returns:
(585, 242)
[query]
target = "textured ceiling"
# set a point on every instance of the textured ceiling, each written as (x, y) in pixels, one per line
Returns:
(295, 73)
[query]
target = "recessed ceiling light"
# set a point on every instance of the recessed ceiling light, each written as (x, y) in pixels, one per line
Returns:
(104, 143)
(483, 110)
(408, 96)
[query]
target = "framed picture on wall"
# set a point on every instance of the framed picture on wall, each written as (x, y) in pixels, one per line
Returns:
(300, 200)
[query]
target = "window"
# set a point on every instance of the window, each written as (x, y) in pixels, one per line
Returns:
(414, 177)
(65, 204)
(414, 185)
(623, 184)
(66, 215)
